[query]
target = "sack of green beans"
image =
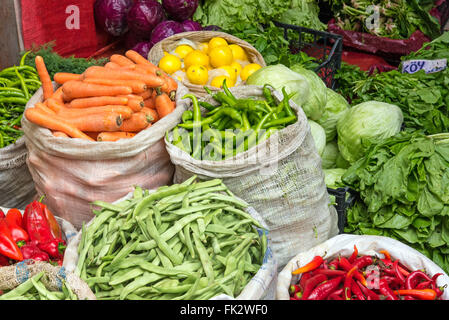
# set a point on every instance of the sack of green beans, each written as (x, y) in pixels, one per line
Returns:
(17, 84)
(280, 175)
(72, 173)
(193, 241)
(37, 280)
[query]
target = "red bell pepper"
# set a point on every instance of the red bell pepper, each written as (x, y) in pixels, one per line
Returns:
(4, 261)
(14, 216)
(55, 248)
(8, 247)
(31, 251)
(36, 223)
(2, 214)
(54, 225)
(14, 220)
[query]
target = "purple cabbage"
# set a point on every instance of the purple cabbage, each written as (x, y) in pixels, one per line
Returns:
(190, 25)
(144, 16)
(110, 15)
(143, 48)
(165, 29)
(180, 10)
(212, 28)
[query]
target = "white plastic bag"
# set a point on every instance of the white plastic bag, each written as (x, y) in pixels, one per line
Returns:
(366, 245)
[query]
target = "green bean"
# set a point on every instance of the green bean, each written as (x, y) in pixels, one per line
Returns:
(125, 276)
(204, 258)
(42, 290)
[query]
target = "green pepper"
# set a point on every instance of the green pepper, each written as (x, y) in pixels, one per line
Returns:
(286, 100)
(227, 92)
(281, 121)
(196, 126)
(226, 111)
(187, 115)
(268, 95)
(22, 83)
(206, 105)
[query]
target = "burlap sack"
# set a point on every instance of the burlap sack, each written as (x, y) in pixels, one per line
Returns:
(72, 173)
(13, 275)
(168, 44)
(281, 178)
(16, 183)
(261, 287)
(343, 245)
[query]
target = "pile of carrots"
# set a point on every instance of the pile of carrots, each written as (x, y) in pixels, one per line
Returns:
(105, 103)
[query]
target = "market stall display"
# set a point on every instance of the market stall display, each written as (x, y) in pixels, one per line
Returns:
(193, 240)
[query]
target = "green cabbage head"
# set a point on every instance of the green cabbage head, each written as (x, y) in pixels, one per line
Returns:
(332, 177)
(365, 123)
(279, 76)
(335, 107)
(315, 105)
(319, 136)
(330, 155)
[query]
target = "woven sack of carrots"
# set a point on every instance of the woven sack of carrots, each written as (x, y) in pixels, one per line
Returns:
(95, 135)
(361, 267)
(280, 177)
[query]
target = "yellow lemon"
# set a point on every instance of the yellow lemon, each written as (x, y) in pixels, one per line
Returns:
(165, 53)
(231, 72)
(237, 68)
(170, 63)
(248, 70)
(218, 81)
(220, 56)
(196, 57)
(197, 74)
(216, 42)
(204, 47)
(183, 50)
(238, 52)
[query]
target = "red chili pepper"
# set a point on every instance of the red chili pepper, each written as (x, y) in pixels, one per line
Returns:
(298, 295)
(36, 223)
(325, 289)
(31, 251)
(304, 278)
(345, 265)
(386, 291)
(294, 288)
(8, 247)
(333, 264)
(330, 272)
(386, 266)
(421, 294)
(403, 269)
(14, 216)
(393, 282)
(336, 295)
(312, 283)
(357, 291)
(354, 255)
(55, 248)
(363, 262)
(386, 254)
(4, 261)
(312, 265)
(347, 283)
(17, 232)
(424, 285)
(398, 273)
(434, 286)
(370, 294)
(413, 279)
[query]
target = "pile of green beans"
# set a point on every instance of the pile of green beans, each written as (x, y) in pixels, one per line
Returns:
(188, 241)
(34, 289)
(231, 127)
(17, 85)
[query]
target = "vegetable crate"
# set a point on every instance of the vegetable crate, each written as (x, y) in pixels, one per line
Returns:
(344, 198)
(324, 46)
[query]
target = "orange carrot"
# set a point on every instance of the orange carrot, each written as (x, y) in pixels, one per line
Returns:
(112, 65)
(97, 122)
(150, 80)
(164, 105)
(97, 101)
(137, 58)
(135, 104)
(137, 86)
(53, 122)
(63, 77)
(150, 103)
(57, 95)
(114, 136)
(47, 85)
(170, 86)
(93, 135)
(124, 111)
(132, 96)
(146, 94)
(137, 122)
(78, 89)
(151, 114)
(55, 105)
(44, 108)
(121, 60)
(60, 134)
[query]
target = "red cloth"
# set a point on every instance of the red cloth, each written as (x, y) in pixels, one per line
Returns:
(46, 20)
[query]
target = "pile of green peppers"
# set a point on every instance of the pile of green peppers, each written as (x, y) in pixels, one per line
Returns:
(17, 85)
(233, 126)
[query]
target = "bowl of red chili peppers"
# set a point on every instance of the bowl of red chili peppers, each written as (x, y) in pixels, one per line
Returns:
(374, 273)
(34, 234)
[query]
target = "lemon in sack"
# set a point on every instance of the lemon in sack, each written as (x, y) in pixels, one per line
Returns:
(216, 42)
(170, 63)
(237, 68)
(238, 52)
(196, 57)
(248, 70)
(197, 74)
(220, 56)
(183, 50)
(231, 73)
(218, 81)
(204, 47)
